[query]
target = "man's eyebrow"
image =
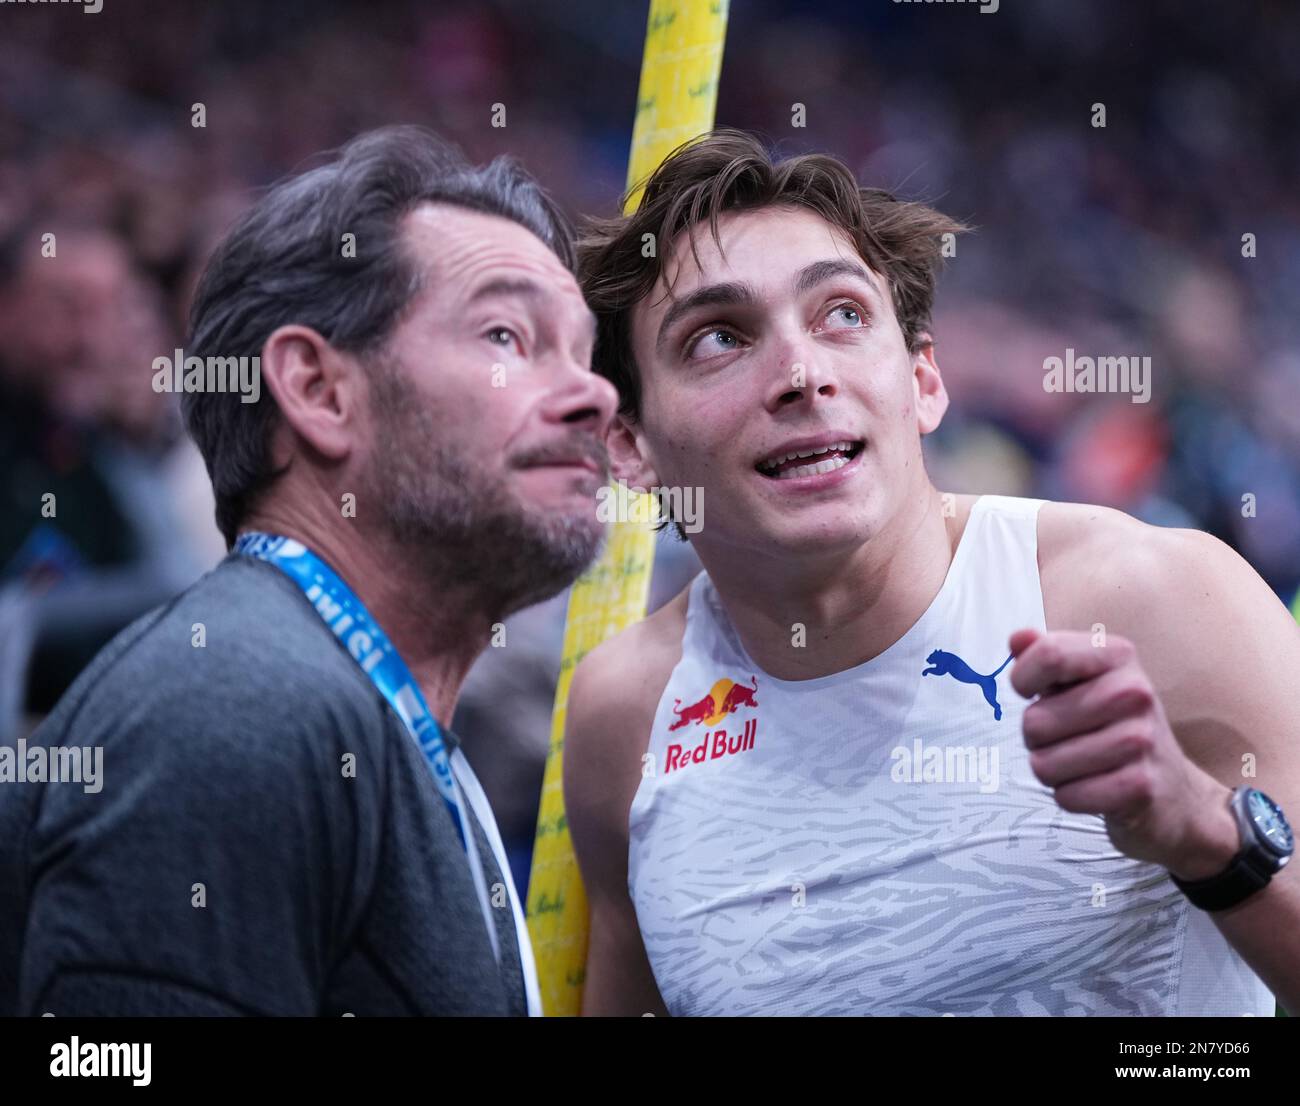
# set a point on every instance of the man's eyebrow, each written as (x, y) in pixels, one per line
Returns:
(733, 293)
(812, 275)
(711, 295)
(528, 289)
(507, 286)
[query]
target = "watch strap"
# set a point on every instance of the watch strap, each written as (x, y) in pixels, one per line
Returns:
(1235, 884)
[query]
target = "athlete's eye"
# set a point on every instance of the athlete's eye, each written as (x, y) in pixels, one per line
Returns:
(846, 316)
(716, 340)
(504, 336)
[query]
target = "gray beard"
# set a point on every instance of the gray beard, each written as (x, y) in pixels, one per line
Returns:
(462, 524)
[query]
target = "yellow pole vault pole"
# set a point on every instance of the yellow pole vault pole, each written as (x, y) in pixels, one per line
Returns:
(675, 102)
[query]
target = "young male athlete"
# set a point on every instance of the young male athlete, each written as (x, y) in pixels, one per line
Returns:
(815, 781)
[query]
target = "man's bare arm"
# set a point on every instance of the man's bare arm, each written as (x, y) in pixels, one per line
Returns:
(610, 713)
(1221, 653)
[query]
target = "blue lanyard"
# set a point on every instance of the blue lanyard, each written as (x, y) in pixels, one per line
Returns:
(369, 646)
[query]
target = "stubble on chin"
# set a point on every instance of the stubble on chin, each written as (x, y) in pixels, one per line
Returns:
(461, 521)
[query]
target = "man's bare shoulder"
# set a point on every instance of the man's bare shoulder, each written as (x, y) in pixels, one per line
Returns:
(1214, 639)
(646, 650)
(612, 701)
(1061, 526)
(1099, 564)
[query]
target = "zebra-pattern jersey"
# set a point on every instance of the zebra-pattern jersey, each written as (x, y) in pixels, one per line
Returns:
(874, 841)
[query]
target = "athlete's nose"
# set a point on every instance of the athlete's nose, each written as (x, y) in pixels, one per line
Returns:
(800, 375)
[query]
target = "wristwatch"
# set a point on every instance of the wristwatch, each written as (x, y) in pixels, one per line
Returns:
(1267, 843)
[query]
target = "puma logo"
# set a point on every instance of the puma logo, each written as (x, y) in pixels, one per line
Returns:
(949, 664)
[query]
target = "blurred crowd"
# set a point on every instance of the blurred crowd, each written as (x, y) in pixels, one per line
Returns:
(1119, 240)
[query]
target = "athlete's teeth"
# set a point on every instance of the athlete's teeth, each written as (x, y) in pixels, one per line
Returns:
(813, 470)
(841, 446)
(771, 464)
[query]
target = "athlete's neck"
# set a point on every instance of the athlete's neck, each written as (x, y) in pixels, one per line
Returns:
(814, 615)
(437, 626)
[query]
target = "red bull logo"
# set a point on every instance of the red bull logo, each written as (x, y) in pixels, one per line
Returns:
(724, 698)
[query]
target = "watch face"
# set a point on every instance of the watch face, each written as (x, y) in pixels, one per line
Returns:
(1270, 823)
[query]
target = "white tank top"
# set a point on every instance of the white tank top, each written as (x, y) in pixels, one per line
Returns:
(874, 841)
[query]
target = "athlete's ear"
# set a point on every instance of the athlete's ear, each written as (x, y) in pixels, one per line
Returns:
(628, 455)
(318, 390)
(931, 395)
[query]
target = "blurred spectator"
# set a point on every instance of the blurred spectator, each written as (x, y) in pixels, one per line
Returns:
(88, 534)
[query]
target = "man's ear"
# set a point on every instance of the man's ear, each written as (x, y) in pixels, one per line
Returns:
(931, 395)
(628, 460)
(317, 389)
